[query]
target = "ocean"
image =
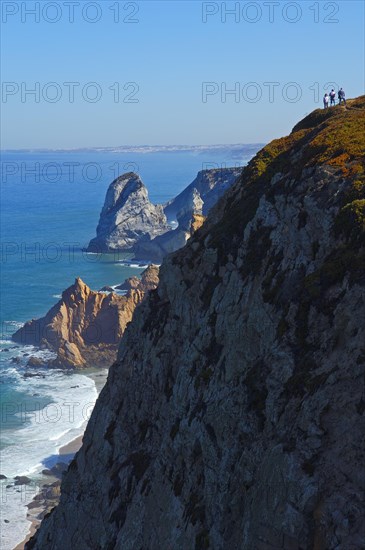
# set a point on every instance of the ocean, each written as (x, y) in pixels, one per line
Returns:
(50, 206)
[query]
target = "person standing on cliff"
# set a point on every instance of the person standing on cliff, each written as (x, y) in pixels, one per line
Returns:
(332, 97)
(325, 101)
(341, 96)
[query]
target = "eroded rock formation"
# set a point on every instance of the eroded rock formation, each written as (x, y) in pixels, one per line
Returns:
(85, 327)
(189, 219)
(129, 221)
(127, 216)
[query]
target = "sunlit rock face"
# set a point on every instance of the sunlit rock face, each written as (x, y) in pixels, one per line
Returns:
(127, 216)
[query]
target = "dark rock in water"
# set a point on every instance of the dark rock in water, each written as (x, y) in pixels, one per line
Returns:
(2, 476)
(26, 354)
(22, 480)
(127, 216)
(6, 521)
(8, 486)
(35, 362)
(5, 349)
(72, 387)
(47, 472)
(31, 374)
(107, 289)
(16, 360)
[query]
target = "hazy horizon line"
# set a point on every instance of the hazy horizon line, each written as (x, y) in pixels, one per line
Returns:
(117, 148)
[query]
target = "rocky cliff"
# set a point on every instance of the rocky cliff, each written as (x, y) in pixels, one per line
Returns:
(85, 327)
(233, 417)
(209, 185)
(189, 219)
(129, 221)
(127, 216)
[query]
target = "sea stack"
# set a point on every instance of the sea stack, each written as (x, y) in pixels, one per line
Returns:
(127, 216)
(130, 222)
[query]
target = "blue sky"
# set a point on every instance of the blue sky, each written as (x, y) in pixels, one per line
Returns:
(171, 62)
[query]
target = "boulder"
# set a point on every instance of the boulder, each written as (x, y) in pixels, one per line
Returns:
(35, 362)
(22, 480)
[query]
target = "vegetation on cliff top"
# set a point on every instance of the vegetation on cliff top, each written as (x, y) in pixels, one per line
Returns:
(334, 137)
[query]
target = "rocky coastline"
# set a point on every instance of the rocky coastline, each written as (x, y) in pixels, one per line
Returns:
(129, 222)
(85, 327)
(234, 414)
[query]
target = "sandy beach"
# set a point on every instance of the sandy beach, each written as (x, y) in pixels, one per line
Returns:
(71, 447)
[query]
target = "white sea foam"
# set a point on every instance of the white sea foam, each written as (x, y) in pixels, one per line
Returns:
(15, 324)
(133, 265)
(35, 445)
(13, 509)
(119, 291)
(71, 399)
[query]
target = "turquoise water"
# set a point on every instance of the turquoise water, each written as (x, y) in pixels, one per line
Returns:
(50, 206)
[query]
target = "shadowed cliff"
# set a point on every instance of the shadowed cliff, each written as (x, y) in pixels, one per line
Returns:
(233, 417)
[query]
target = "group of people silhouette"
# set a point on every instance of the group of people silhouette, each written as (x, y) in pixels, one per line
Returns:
(330, 99)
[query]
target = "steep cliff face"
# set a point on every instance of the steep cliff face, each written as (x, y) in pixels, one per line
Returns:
(233, 416)
(157, 248)
(85, 327)
(210, 185)
(127, 216)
